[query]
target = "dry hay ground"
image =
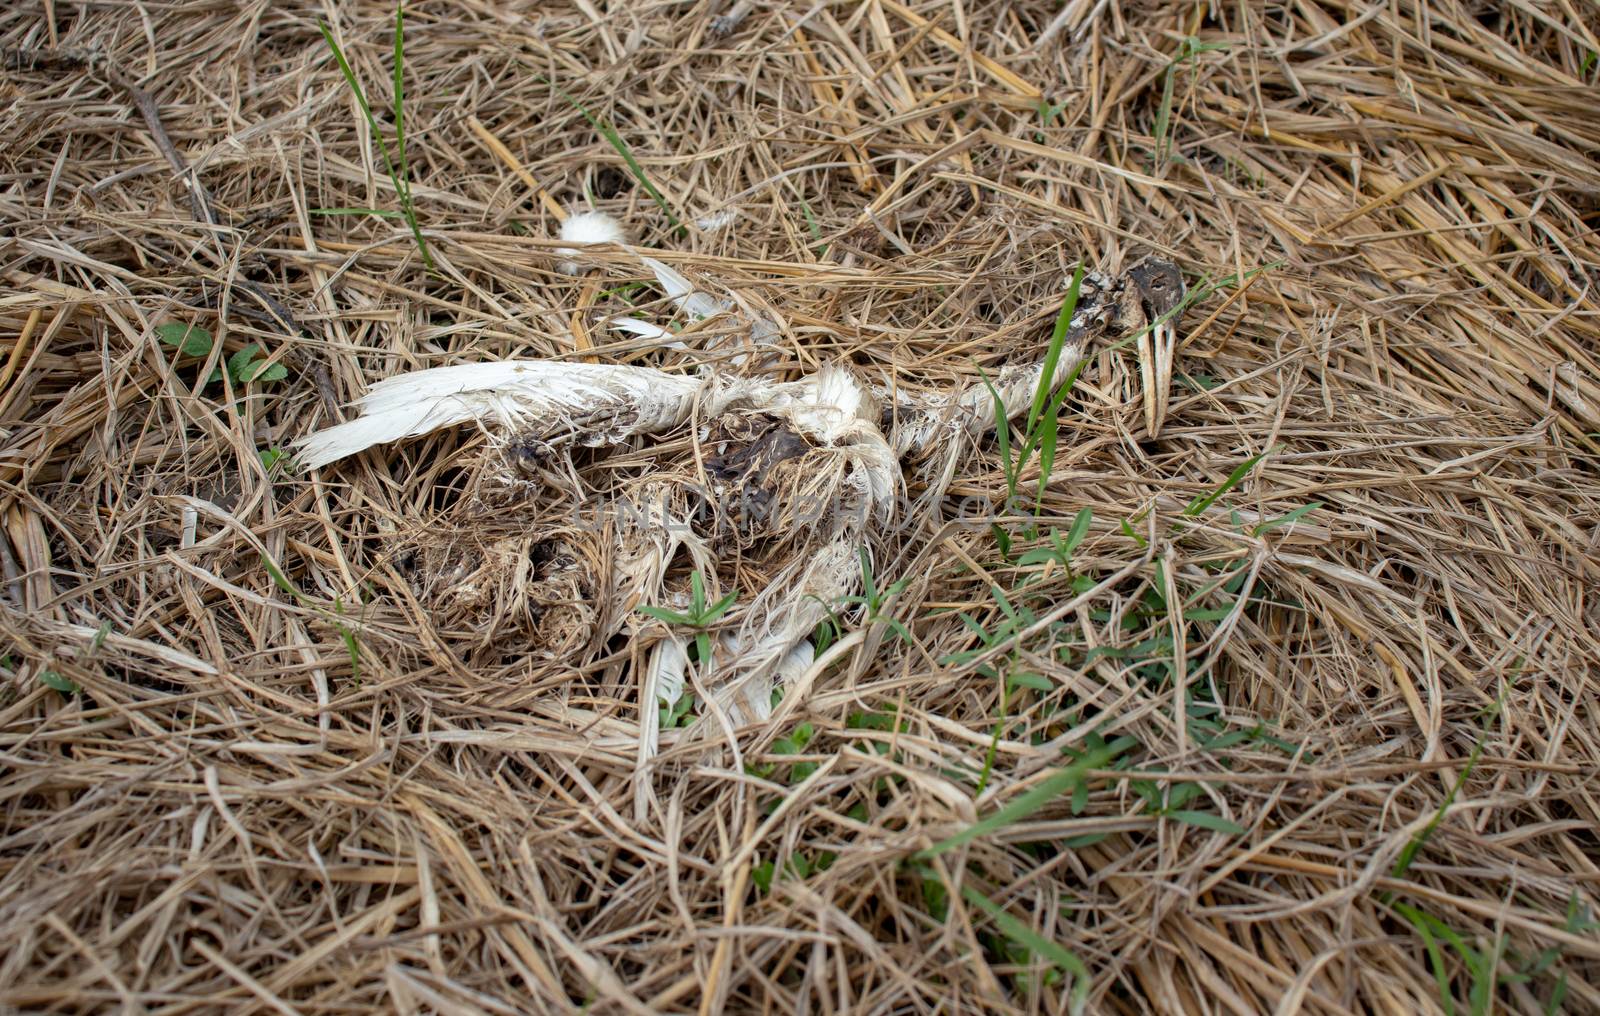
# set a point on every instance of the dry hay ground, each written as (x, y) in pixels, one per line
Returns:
(322, 791)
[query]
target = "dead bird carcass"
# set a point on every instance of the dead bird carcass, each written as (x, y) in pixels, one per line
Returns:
(782, 480)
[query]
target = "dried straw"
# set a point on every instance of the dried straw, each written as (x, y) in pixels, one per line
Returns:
(331, 794)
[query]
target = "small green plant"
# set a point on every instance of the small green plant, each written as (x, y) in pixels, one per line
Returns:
(1098, 754)
(679, 713)
(792, 743)
(243, 367)
(347, 635)
(796, 866)
(1028, 943)
(1059, 550)
(827, 631)
(394, 163)
(57, 681)
(1403, 863)
(248, 364)
(872, 599)
(271, 457)
(700, 615)
(1048, 112)
(1481, 967)
(883, 722)
(1172, 805)
(1191, 48)
(188, 339)
(1578, 922)
(1008, 676)
(1201, 502)
(1039, 433)
(813, 227)
(1204, 501)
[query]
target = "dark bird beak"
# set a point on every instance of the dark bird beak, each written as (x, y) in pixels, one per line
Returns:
(1160, 291)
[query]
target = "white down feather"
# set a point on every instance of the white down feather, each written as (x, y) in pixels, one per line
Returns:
(586, 228)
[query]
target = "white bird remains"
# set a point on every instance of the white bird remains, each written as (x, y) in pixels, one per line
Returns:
(788, 477)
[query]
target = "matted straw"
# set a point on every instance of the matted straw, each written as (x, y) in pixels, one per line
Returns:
(297, 775)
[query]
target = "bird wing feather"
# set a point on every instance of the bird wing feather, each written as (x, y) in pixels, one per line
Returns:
(589, 403)
(693, 302)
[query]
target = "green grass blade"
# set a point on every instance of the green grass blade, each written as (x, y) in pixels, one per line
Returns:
(1441, 976)
(663, 614)
(1005, 604)
(1048, 426)
(399, 97)
(282, 580)
(1240, 471)
(1127, 530)
(355, 89)
(1052, 356)
(1067, 384)
(1190, 49)
(1002, 433)
(1079, 530)
(717, 609)
(1047, 457)
(352, 647)
(868, 588)
(1207, 820)
(402, 186)
(1409, 854)
(1024, 935)
(1050, 788)
(56, 682)
(1286, 518)
(994, 749)
(610, 134)
(1164, 113)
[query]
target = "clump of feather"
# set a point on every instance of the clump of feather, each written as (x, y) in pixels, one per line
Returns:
(586, 228)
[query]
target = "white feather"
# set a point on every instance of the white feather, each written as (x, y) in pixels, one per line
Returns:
(663, 682)
(586, 228)
(691, 301)
(716, 220)
(831, 403)
(772, 649)
(646, 330)
(667, 669)
(749, 699)
(590, 403)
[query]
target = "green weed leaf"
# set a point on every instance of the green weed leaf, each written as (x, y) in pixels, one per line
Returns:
(1207, 820)
(190, 340)
(53, 680)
